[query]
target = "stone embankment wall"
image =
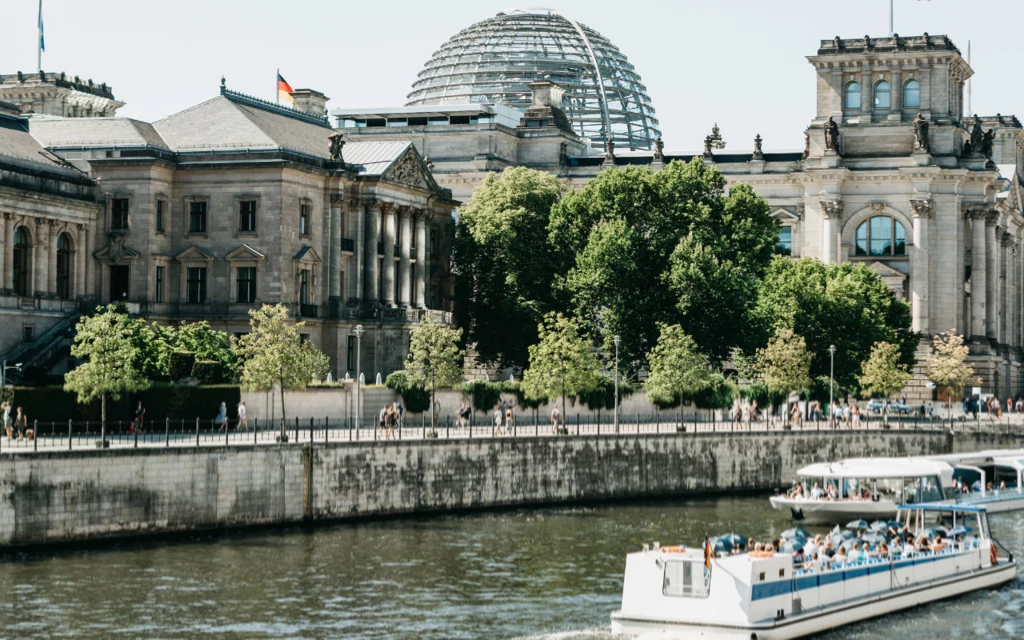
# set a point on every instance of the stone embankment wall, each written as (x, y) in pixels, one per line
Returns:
(84, 495)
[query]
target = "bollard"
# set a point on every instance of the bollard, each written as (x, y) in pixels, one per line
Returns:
(296, 429)
(310, 431)
(69, 435)
(255, 430)
(167, 431)
(136, 430)
(227, 430)
(327, 430)
(197, 431)
(577, 423)
(35, 435)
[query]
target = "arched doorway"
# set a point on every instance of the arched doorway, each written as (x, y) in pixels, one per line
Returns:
(22, 261)
(64, 262)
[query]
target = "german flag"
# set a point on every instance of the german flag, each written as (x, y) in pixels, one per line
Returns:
(284, 90)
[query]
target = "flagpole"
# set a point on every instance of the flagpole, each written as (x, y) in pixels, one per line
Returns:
(277, 93)
(891, 29)
(39, 40)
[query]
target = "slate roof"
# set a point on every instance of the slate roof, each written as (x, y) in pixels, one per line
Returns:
(19, 148)
(374, 157)
(92, 132)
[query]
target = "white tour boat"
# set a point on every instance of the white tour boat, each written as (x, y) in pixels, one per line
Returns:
(864, 488)
(993, 478)
(673, 592)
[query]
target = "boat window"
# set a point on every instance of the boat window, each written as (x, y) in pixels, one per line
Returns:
(890, 489)
(931, 490)
(911, 490)
(686, 578)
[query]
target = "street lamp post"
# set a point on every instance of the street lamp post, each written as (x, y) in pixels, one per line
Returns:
(616, 383)
(3, 374)
(831, 376)
(359, 405)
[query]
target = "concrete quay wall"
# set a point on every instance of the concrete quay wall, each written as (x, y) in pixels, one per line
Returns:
(56, 497)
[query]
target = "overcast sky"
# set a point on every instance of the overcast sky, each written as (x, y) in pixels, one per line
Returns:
(738, 62)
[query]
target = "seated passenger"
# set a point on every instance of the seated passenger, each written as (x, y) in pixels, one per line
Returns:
(816, 491)
(812, 546)
(909, 550)
(1002, 485)
(841, 557)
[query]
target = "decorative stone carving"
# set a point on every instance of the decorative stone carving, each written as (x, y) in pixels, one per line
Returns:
(707, 147)
(659, 150)
(877, 208)
(922, 207)
(609, 152)
(563, 154)
(832, 135)
(758, 154)
(976, 211)
(716, 138)
(337, 142)
(428, 163)
(407, 171)
(831, 208)
(807, 143)
(337, 198)
(974, 145)
(987, 142)
(921, 132)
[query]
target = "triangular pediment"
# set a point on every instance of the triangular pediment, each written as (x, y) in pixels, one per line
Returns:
(885, 271)
(307, 254)
(116, 251)
(409, 170)
(785, 216)
(194, 254)
(245, 253)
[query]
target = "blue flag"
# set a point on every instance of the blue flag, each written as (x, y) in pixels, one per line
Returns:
(42, 43)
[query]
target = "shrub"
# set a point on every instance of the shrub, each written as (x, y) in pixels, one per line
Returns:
(522, 400)
(415, 398)
(207, 371)
(180, 365)
(484, 393)
(719, 395)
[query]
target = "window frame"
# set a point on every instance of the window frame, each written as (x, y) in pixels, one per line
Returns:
(64, 277)
(158, 222)
(876, 93)
(917, 90)
(846, 96)
(787, 248)
(190, 214)
(305, 215)
(158, 293)
(200, 282)
(897, 245)
(251, 284)
(247, 216)
(120, 219)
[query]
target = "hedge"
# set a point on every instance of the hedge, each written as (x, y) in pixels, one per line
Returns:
(180, 364)
(207, 371)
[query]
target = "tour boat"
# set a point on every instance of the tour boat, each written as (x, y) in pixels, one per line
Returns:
(1003, 469)
(864, 488)
(675, 592)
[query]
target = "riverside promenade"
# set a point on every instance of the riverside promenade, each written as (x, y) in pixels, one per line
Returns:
(56, 490)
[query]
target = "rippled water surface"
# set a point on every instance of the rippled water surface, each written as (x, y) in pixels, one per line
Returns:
(552, 573)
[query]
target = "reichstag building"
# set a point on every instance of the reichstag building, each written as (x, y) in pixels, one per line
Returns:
(347, 216)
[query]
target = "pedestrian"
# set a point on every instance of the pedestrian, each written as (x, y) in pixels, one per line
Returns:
(8, 421)
(137, 418)
(392, 419)
(498, 429)
(510, 418)
(222, 417)
(243, 421)
(21, 423)
(437, 411)
(1009, 405)
(555, 416)
(382, 419)
(400, 410)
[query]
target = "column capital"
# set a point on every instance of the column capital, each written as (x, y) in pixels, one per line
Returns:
(8, 215)
(1005, 238)
(922, 207)
(831, 208)
(979, 212)
(337, 198)
(385, 207)
(404, 210)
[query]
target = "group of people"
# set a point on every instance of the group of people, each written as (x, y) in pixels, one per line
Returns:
(17, 422)
(821, 554)
(390, 416)
(504, 417)
(993, 406)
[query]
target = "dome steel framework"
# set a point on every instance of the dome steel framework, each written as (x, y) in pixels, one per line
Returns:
(494, 60)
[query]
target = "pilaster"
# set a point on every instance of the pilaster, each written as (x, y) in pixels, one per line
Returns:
(388, 284)
(404, 259)
(371, 261)
(919, 265)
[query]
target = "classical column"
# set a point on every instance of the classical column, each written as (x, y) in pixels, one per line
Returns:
(80, 257)
(831, 213)
(51, 283)
(334, 247)
(356, 224)
(1011, 291)
(390, 223)
(867, 94)
(404, 249)
(1002, 269)
(420, 299)
(90, 289)
(991, 276)
(838, 94)
(919, 265)
(372, 234)
(41, 259)
(896, 93)
(7, 244)
(979, 277)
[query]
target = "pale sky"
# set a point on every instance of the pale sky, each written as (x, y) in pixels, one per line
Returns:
(738, 62)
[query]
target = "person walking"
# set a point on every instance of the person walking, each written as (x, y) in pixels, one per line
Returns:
(498, 429)
(140, 412)
(555, 417)
(21, 423)
(243, 421)
(510, 416)
(8, 421)
(222, 417)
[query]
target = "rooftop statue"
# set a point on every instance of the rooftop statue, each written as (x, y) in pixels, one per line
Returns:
(832, 135)
(921, 132)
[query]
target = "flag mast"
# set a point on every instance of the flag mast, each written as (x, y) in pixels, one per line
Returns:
(277, 84)
(39, 43)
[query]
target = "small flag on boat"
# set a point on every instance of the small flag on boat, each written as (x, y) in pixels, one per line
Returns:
(707, 552)
(284, 90)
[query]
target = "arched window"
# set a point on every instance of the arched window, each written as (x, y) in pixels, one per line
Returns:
(853, 95)
(22, 247)
(880, 236)
(882, 97)
(64, 266)
(912, 94)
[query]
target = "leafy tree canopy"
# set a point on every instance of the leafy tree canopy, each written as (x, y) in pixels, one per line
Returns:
(843, 305)
(635, 248)
(947, 366)
(677, 368)
(435, 359)
(561, 363)
(785, 364)
(883, 374)
(501, 258)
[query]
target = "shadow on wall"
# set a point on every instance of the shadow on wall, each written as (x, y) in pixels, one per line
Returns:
(47, 404)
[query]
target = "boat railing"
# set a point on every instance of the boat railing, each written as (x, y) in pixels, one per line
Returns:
(951, 549)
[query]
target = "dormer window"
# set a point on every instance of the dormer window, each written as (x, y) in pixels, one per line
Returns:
(912, 94)
(853, 95)
(882, 95)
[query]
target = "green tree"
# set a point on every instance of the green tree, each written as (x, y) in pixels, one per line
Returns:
(785, 364)
(883, 374)
(112, 363)
(845, 305)
(636, 248)
(561, 363)
(435, 359)
(501, 259)
(208, 344)
(677, 368)
(947, 365)
(275, 354)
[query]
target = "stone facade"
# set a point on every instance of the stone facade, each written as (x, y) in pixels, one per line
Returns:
(910, 185)
(57, 94)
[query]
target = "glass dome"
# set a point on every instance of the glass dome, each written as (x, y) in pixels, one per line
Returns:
(494, 60)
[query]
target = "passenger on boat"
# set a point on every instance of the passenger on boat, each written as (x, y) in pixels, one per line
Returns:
(832, 493)
(841, 557)
(908, 549)
(812, 546)
(816, 491)
(976, 486)
(829, 551)
(857, 555)
(799, 558)
(938, 544)
(988, 486)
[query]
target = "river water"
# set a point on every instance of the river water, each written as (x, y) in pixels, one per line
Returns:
(547, 573)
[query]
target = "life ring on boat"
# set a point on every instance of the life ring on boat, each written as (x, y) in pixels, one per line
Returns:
(761, 554)
(673, 549)
(993, 554)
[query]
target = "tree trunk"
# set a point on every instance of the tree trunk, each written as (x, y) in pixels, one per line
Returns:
(103, 418)
(680, 407)
(284, 418)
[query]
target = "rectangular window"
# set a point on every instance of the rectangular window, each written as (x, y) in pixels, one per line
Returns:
(119, 214)
(686, 578)
(304, 220)
(159, 215)
(197, 285)
(197, 217)
(304, 286)
(435, 303)
(351, 365)
(785, 244)
(247, 284)
(435, 244)
(159, 284)
(247, 216)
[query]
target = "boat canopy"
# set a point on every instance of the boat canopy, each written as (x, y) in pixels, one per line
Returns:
(876, 468)
(944, 508)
